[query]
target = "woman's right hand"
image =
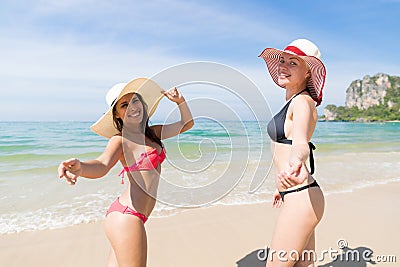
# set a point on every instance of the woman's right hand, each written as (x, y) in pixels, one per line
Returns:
(174, 95)
(276, 199)
(70, 170)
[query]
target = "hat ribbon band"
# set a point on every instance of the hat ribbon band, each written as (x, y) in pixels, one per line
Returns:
(295, 50)
(112, 103)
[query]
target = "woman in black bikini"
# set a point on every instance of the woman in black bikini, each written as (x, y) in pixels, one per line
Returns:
(299, 70)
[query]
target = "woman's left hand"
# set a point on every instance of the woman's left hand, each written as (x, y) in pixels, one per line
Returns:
(296, 174)
(174, 95)
(276, 199)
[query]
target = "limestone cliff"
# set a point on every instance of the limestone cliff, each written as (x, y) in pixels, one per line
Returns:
(370, 91)
(370, 99)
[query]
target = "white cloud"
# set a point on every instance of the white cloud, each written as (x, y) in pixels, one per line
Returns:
(64, 70)
(74, 74)
(176, 21)
(81, 48)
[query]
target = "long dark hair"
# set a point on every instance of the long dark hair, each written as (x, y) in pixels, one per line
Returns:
(148, 132)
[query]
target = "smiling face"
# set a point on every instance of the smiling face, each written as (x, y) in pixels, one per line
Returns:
(129, 109)
(293, 72)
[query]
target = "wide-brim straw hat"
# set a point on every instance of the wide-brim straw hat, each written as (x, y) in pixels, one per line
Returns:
(150, 91)
(307, 51)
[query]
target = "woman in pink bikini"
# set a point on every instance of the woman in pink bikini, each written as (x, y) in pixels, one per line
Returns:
(139, 148)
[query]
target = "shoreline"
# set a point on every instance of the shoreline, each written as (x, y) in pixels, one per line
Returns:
(157, 214)
(219, 235)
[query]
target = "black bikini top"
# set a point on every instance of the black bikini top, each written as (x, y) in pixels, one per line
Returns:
(276, 129)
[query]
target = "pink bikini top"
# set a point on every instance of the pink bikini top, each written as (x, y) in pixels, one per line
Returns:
(147, 161)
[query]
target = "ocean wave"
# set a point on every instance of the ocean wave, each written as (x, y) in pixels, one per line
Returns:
(92, 207)
(33, 199)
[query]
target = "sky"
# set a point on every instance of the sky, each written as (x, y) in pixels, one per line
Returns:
(59, 58)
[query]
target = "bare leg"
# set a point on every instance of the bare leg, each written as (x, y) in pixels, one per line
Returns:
(112, 259)
(127, 236)
(144, 247)
(307, 259)
(295, 226)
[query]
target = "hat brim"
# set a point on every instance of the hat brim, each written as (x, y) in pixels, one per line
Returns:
(317, 68)
(151, 93)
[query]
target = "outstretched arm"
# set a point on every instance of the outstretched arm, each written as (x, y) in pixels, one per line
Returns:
(73, 168)
(185, 123)
(304, 120)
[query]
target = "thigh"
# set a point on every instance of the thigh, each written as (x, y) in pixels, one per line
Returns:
(295, 226)
(112, 259)
(127, 237)
(308, 255)
(291, 234)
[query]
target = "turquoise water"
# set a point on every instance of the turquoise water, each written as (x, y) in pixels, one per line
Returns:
(215, 163)
(348, 136)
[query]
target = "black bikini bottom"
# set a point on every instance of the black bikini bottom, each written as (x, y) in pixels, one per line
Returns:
(298, 189)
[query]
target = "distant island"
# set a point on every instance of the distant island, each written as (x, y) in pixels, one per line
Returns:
(375, 98)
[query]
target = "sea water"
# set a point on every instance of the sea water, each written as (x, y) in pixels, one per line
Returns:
(215, 163)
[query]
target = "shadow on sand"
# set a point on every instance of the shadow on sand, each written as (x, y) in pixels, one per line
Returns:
(257, 258)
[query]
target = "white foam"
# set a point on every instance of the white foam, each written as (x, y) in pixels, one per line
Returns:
(92, 207)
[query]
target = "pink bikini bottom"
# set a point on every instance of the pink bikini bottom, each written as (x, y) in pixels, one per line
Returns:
(117, 206)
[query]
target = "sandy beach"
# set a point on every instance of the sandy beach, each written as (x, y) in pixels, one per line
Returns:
(367, 219)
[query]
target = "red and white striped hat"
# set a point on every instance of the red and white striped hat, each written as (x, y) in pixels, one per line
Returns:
(310, 53)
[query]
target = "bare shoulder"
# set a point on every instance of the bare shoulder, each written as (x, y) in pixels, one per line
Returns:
(112, 152)
(304, 102)
(303, 107)
(115, 140)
